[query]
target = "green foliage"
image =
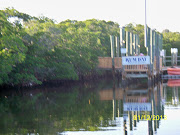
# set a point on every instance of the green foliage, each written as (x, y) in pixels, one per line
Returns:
(12, 49)
(11, 12)
(34, 50)
(171, 40)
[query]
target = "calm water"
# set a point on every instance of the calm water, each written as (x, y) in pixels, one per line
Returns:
(100, 108)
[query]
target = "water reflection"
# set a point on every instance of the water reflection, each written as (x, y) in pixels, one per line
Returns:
(174, 84)
(140, 104)
(103, 107)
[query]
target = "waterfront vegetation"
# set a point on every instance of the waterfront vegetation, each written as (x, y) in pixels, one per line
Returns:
(34, 50)
(38, 49)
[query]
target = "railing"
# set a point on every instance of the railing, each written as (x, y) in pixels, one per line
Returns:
(136, 68)
(170, 60)
(154, 64)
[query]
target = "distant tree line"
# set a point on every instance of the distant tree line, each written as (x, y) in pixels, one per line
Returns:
(33, 50)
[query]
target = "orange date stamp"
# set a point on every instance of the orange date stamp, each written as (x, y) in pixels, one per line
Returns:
(149, 117)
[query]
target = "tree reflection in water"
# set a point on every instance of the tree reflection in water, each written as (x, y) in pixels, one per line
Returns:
(96, 106)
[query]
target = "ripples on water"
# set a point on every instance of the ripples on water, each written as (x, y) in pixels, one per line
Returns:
(99, 108)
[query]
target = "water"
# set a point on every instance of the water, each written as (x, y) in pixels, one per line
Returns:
(98, 108)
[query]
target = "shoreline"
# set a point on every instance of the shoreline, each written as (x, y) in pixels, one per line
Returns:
(105, 75)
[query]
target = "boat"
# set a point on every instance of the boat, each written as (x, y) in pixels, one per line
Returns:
(173, 83)
(173, 71)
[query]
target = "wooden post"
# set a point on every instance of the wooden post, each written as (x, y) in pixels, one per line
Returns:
(159, 46)
(174, 53)
(138, 43)
(157, 54)
(155, 49)
(122, 45)
(153, 45)
(127, 43)
(131, 44)
(152, 51)
(160, 49)
(125, 127)
(130, 120)
(114, 101)
(112, 55)
(135, 121)
(164, 57)
(148, 42)
(124, 113)
(122, 37)
(164, 97)
(160, 41)
(150, 128)
(172, 59)
(112, 46)
(154, 109)
(127, 54)
(135, 44)
(150, 74)
(119, 108)
(138, 113)
(158, 102)
(117, 47)
(118, 53)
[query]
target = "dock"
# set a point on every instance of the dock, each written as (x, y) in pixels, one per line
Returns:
(170, 76)
(130, 63)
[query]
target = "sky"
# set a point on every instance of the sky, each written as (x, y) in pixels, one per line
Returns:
(161, 14)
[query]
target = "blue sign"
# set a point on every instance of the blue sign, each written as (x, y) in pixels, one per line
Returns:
(136, 60)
